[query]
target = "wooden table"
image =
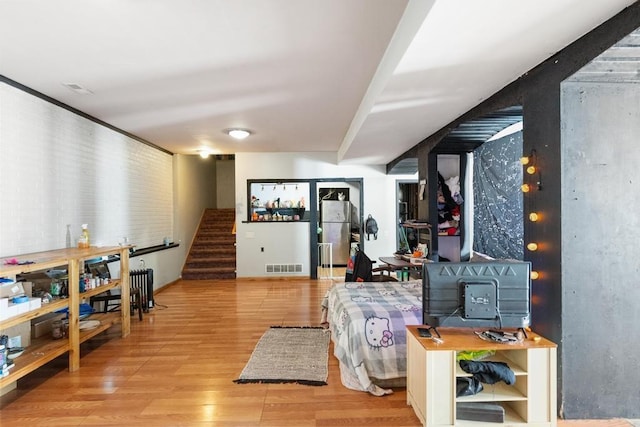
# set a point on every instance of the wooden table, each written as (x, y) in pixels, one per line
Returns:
(397, 264)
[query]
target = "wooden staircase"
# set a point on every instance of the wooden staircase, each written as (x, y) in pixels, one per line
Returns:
(213, 252)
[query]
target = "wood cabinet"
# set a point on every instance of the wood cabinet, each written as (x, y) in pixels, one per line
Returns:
(45, 349)
(432, 371)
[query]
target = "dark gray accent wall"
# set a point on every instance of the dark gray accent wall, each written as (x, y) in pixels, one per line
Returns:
(542, 133)
(600, 231)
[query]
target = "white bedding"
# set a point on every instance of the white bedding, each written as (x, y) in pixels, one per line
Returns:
(367, 322)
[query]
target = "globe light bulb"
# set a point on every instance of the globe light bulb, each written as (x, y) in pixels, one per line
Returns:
(534, 275)
(524, 160)
(525, 188)
(532, 246)
(533, 216)
(531, 170)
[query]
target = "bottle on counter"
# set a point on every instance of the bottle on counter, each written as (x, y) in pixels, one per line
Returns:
(84, 241)
(68, 236)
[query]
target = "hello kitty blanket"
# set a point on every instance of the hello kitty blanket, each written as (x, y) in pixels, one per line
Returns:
(367, 322)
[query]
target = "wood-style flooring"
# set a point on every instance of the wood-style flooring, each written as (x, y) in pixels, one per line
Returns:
(178, 365)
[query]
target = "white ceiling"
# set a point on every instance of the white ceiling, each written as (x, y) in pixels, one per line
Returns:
(367, 79)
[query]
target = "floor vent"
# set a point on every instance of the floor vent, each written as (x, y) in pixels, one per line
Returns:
(283, 268)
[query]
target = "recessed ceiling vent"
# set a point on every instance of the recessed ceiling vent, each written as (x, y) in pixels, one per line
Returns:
(77, 88)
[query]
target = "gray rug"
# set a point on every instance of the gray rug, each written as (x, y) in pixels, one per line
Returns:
(289, 355)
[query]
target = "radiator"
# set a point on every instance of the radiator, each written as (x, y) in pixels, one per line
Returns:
(143, 280)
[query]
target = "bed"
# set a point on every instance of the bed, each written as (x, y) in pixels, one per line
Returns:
(367, 322)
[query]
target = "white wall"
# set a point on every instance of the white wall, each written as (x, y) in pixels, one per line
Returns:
(59, 168)
(195, 187)
(288, 242)
(225, 184)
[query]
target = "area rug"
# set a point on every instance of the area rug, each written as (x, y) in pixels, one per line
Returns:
(289, 355)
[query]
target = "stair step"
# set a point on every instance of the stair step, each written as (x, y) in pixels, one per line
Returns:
(214, 242)
(200, 242)
(212, 260)
(212, 255)
(210, 272)
(221, 210)
(222, 228)
(213, 250)
(195, 276)
(207, 263)
(224, 246)
(213, 235)
(200, 255)
(224, 237)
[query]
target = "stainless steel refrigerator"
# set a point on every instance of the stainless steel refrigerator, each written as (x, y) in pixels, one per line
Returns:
(335, 217)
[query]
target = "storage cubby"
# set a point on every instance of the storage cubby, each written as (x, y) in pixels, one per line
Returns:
(432, 371)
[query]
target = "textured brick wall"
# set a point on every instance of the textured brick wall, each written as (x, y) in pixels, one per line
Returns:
(58, 168)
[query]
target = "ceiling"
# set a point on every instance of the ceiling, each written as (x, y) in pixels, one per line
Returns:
(618, 64)
(366, 79)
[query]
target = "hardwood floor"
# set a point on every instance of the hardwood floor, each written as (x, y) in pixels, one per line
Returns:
(178, 365)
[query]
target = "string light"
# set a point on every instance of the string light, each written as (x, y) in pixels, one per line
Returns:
(530, 163)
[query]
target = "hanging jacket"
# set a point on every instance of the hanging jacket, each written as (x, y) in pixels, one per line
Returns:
(362, 269)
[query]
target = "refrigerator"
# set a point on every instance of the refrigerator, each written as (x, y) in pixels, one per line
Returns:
(335, 222)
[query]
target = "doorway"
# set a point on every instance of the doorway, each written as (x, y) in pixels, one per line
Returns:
(406, 209)
(336, 224)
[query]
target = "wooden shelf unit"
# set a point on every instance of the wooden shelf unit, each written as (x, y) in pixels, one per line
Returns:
(43, 350)
(432, 371)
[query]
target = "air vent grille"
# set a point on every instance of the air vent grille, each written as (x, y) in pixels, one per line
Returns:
(78, 88)
(283, 268)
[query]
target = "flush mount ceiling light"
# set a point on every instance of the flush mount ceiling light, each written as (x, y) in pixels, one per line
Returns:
(238, 133)
(204, 153)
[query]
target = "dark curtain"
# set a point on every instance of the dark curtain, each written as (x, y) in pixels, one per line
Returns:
(498, 218)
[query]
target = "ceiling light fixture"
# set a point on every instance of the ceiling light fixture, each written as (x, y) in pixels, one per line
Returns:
(238, 133)
(204, 153)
